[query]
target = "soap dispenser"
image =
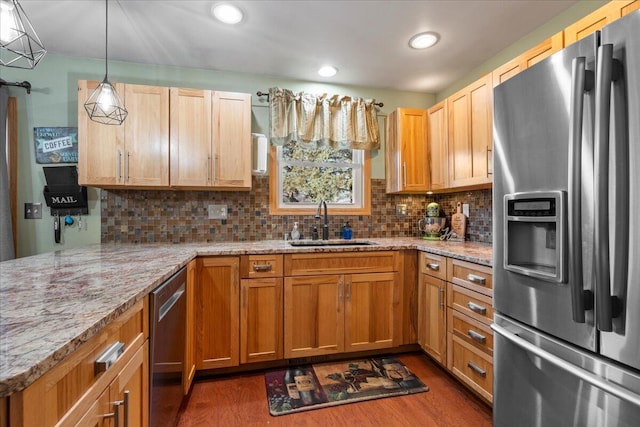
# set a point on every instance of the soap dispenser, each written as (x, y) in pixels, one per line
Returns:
(295, 233)
(346, 231)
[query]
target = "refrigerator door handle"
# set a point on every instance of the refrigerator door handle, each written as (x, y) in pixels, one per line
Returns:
(594, 380)
(581, 81)
(607, 70)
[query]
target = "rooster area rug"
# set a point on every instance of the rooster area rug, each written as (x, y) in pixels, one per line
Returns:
(320, 385)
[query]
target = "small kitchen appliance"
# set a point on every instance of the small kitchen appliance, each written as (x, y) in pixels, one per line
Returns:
(432, 223)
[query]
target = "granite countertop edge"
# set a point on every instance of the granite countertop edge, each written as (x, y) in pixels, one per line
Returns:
(50, 304)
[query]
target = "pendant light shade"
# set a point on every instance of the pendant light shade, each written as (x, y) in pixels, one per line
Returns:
(104, 105)
(20, 46)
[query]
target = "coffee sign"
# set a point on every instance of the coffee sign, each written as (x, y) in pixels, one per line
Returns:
(56, 144)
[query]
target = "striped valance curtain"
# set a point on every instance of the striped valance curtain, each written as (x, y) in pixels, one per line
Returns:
(317, 120)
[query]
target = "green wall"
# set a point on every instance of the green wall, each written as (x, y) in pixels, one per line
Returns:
(558, 23)
(53, 102)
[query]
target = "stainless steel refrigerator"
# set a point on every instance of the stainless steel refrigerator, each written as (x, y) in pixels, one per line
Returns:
(566, 203)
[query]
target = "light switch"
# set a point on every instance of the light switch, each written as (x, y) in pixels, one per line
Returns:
(465, 209)
(32, 210)
(217, 211)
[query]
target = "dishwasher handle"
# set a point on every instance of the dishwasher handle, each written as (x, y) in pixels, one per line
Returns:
(166, 307)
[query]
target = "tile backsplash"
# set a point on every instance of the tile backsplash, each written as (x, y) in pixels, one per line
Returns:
(153, 216)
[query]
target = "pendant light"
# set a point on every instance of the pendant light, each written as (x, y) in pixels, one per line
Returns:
(20, 46)
(104, 105)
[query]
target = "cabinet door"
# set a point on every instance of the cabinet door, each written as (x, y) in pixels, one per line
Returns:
(191, 157)
(231, 133)
(470, 129)
(369, 311)
(190, 333)
(131, 387)
(313, 315)
(432, 334)
(598, 19)
(407, 151)
(261, 320)
(217, 311)
(146, 136)
(100, 147)
(438, 147)
(100, 414)
(527, 59)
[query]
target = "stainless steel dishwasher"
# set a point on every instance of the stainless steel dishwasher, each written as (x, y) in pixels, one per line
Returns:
(168, 316)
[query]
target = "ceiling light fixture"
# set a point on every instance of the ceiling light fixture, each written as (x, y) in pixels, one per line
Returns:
(20, 46)
(327, 71)
(104, 105)
(227, 13)
(424, 40)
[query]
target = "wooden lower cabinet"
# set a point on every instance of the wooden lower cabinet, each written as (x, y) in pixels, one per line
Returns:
(261, 320)
(73, 393)
(432, 332)
(313, 315)
(189, 367)
(338, 313)
(217, 309)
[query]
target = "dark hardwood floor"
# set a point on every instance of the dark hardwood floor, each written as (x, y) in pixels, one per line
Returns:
(240, 400)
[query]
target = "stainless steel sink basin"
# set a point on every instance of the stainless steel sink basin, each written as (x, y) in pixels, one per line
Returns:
(336, 242)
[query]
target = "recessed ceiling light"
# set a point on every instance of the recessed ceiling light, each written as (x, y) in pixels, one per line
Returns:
(327, 71)
(424, 40)
(227, 13)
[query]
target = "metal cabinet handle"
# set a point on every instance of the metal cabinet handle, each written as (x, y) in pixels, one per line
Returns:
(261, 267)
(477, 369)
(477, 308)
(404, 173)
(126, 408)
(441, 297)
(340, 290)
(479, 280)
(476, 336)
(116, 412)
(209, 166)
(433, 266)
(108, 357)
(348, 290)
(489, 162)
(119, 166)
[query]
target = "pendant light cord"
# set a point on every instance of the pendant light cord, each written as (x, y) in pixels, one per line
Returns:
(106, 39)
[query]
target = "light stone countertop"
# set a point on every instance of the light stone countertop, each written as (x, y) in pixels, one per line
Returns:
(52, 303)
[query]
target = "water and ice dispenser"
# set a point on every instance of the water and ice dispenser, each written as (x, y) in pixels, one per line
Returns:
(535, 236)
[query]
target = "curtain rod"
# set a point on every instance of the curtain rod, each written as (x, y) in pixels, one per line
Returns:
(260, 93)
(24, 84)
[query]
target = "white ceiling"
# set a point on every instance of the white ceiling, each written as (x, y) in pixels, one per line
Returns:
(365, 40)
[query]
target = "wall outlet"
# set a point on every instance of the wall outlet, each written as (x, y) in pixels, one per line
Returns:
(401, 210)
(465, 209)
(217, 211)
(32, 210)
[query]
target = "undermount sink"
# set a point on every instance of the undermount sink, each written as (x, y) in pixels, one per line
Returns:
(331, 242)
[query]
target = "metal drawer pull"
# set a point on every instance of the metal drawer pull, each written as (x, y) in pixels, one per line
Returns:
(477, 369)
(108, 357)
(261, 267)
(476, 336)
(479, 280)
(433, 266)
(126, 408)
(116, 412)
(477, 308)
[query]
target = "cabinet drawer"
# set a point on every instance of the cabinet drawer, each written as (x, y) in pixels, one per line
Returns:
(266, 265)
(473, 276)
(339, 263)
(472, 366)
(471, 331)
(473, 304)
(73, 382)
(433, 265)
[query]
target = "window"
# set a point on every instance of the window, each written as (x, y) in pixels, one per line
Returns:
(301, 177)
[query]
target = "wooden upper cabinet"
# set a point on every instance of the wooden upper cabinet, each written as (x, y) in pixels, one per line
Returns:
(470, 132)
(438, 146)
(134, 154)
(210, 139)
(146, 154)
(407, 160)
(532, 56)
(190, 137)
(100, 147)
(598, 19)
(231, 134)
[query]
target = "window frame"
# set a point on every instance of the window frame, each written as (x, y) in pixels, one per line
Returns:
(332, 209)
